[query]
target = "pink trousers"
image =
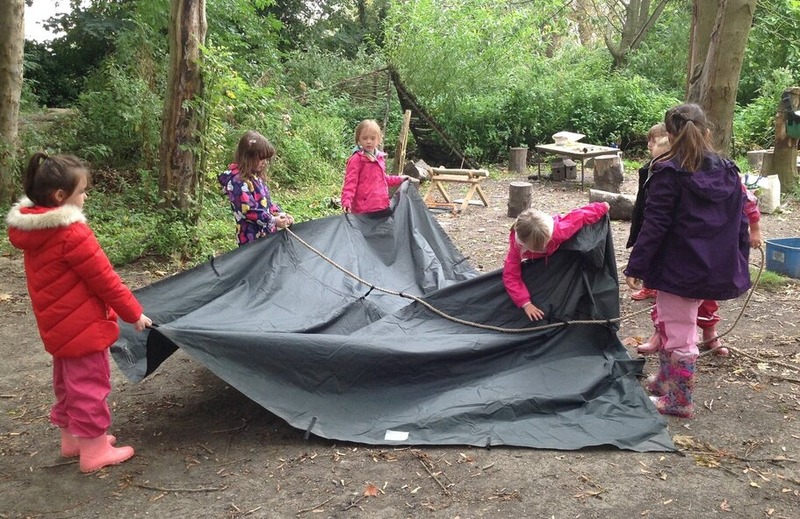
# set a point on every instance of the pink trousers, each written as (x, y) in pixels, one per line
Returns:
(677, 323)
(81, 386)
(707, 316)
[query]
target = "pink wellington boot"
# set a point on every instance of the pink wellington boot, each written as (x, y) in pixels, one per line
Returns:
(69, 443)
(657, 382)
(652, 345)
(96, 453)
(678, 399)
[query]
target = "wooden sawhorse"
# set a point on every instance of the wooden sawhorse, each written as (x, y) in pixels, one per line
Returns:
(441, 176)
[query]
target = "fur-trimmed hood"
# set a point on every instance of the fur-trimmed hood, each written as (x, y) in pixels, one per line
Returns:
(29, 225)
(27, 217)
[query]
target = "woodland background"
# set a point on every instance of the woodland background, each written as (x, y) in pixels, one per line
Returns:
(155, 93)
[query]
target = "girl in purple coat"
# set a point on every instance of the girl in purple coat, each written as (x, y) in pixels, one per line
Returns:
(366, 184)
(693, 245)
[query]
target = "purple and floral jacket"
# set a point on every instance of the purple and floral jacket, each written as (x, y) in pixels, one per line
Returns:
(252, 206)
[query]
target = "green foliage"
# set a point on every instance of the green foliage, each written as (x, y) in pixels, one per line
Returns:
(116, 127)
(769, 281)
(772, 44)
(662, 56)
(85, 37)
(753, 125)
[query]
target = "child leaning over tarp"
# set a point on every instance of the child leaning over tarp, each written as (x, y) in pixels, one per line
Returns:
(693, 246)
(535, 235)
(366, 184)
(707, 316)
(76, 296)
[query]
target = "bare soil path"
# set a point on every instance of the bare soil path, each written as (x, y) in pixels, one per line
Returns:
(206, 451)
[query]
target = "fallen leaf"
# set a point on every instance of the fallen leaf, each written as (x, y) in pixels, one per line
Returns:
(371, 490)
(724, 506)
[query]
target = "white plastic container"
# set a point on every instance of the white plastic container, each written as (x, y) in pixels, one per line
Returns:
(766, 189)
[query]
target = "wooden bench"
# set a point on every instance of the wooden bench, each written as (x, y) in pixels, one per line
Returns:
(441, 176)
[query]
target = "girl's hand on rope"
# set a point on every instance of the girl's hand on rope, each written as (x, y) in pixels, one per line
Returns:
(633, 283)
(283, 220)
(533, 313)
(755, 238)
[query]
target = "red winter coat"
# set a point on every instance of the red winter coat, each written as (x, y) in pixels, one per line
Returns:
(366, 184)
(74, 290)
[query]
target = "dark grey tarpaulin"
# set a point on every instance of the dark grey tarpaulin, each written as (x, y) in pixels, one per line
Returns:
(345, 361)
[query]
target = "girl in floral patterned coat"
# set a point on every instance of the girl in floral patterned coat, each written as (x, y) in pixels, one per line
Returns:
(245, 185)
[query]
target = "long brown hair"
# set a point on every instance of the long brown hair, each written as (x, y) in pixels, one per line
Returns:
(689, 136)
(47, 174)
(253, 148)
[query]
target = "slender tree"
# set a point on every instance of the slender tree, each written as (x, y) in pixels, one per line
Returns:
(12, 41)
(627, 22)
(179, 176)
(717, 45)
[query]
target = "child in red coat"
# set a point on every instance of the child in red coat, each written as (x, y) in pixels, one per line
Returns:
(76, 296)
(366, 184)
(535, 235)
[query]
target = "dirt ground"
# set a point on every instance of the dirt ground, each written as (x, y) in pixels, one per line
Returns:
(205, 451)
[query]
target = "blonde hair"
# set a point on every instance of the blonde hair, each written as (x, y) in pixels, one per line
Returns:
(368, 124)
(661, 146)
(657, 131)
(253, 148)
(534, 229)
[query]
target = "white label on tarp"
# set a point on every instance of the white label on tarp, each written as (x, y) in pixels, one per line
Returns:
(395, 436)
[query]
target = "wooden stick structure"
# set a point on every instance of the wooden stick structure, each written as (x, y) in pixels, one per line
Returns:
(441, 176)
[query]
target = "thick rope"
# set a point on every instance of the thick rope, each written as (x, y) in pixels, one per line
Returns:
(456, 319)
(532, 328)
(741, 312)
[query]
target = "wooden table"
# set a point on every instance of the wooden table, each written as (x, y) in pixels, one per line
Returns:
(573, 150)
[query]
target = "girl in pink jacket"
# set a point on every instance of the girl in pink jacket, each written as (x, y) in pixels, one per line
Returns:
(535, 235)
(76, 296)
(366, 184)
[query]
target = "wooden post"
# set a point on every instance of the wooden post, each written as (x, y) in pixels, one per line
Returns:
(783, 161)
(518, 160)
(402, 141)
(608, 173)
(519, 197)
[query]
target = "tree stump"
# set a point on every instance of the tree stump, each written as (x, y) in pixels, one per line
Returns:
(518, 160)
(519, 197)
(608, 173)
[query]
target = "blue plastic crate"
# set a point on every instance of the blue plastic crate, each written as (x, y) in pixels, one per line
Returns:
(783, 256)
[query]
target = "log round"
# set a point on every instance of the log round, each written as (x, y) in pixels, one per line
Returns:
(518, 160)
(519, 197)
(608, 173)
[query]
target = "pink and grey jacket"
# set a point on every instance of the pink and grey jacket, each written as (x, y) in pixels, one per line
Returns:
(564, 228)
(366, 184)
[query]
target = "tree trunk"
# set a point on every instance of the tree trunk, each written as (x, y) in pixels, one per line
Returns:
(179, 176)
(714, 75)
(12, 40)
(784, 158)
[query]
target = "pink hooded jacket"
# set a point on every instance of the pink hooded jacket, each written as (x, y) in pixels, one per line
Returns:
(564, 228)
(366, 184)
